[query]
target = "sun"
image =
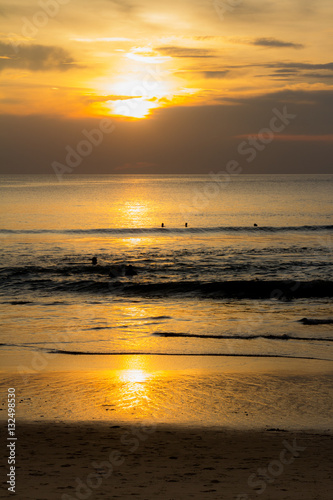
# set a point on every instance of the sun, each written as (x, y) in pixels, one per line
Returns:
(138, 86)
(132, 108)
(139, 95)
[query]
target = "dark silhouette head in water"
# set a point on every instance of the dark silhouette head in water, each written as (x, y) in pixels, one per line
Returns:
(94, 261)
(255, 225)
(185, 224)
(130, 270)
(162, 225)
(123, 270)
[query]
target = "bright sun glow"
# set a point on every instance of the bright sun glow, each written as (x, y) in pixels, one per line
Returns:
(141, 88)
(134, 376)
(135, 390)
(133, 108)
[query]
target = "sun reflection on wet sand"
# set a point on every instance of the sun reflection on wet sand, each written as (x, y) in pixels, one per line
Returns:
(148, 391)
(133, 376)
(134, 388)
(134, 391)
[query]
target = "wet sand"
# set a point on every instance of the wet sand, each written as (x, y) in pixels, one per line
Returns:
(154, 429)
(104, 461)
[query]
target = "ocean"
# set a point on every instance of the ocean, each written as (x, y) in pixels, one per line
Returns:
(250, 275)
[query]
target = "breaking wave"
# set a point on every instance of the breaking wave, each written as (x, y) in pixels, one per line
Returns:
(166, 230)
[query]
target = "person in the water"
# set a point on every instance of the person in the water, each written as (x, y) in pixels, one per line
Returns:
(122, 270)
(130, 270)
(94, 261)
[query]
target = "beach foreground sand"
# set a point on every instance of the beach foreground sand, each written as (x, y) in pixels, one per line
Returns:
(106, 461)
(154, 429)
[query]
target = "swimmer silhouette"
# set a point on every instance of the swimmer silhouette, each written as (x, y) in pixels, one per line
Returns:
(130, 270)
(94, 261)
(162, 225)
(185, 224)
(122, 270)
(255, 225)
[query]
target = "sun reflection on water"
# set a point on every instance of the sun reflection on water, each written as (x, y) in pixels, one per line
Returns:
(135, 213)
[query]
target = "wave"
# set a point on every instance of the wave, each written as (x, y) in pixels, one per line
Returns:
(284, 290)
(62, 270)
(28, 302)
(149, 353)
(270, 289)
(165, 230)
(17, 302)
(313, 321)
(240, 337)
(156, 265)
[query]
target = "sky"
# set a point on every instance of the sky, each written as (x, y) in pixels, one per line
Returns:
(183, 86)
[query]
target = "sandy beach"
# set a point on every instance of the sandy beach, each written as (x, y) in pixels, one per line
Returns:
(104, 461)
(249, 428)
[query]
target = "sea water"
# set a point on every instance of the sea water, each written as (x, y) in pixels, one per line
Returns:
(251, 274)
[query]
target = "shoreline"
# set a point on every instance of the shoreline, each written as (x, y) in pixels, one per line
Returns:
(43, 361)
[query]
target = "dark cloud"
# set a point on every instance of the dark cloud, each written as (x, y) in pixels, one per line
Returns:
(273, 42)
(203, 138)
(207, 37)
(209, 74)
(305, 138)
(298, 65)
(175, 51)
(281, 76)
(294, 70)
(259, 11)
(35, 58)
(215, 74)
(319, 76)
(292, 67)
(285, 71)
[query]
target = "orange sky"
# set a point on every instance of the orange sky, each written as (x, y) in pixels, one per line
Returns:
(78, 57)
(128, 59)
